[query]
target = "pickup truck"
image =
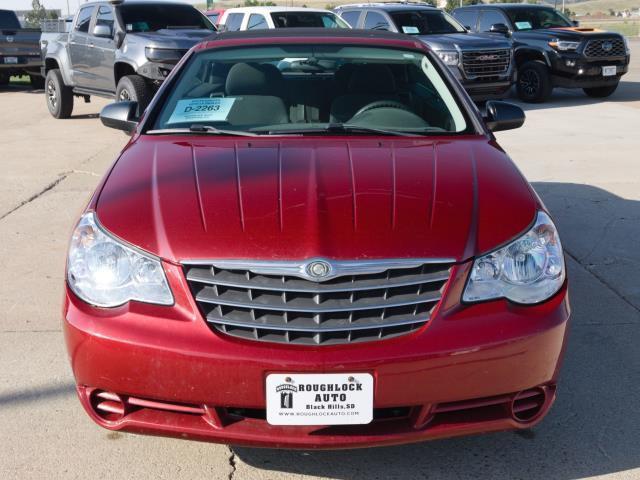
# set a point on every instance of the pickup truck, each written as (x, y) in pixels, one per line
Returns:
(19, 50)
(481, 63)
(118, 49)
(551, 50)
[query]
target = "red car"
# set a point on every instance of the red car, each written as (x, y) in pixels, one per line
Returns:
(313, 240)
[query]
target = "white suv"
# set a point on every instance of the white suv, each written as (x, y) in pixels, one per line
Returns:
(256, 18)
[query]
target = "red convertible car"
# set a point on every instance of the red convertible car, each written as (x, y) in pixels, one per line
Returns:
(313, 240)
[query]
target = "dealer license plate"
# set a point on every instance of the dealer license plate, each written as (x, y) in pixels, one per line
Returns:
(608, 71)
(319, 399)
(12, 60)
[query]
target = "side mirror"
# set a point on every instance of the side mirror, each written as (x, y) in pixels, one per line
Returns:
(221, 27)
(503, 116)
(103, 31)
(576, 23)
(500, 28)
(121, 116)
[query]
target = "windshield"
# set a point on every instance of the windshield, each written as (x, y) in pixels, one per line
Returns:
(537, 18)
(425, 22)
(8, 20)
(154, 17)
(307, 19)
(312, 88)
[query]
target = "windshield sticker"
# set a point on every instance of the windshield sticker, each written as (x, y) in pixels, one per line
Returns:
(202, 110)
(523, 25)
(408, 55)
(410, 30)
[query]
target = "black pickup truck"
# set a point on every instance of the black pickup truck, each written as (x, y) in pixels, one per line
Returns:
(552, 51)
(19, 50)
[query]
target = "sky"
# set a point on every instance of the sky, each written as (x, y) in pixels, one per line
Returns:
(53, 4)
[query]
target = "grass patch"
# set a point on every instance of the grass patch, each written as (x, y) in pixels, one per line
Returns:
(22, 80)
(627, 28)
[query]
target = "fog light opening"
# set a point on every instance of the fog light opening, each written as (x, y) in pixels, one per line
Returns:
(528, 405)
(107, 405)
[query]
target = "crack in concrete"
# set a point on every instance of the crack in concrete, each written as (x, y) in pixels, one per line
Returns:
(35, 196)
(232, 463)
(603, 281)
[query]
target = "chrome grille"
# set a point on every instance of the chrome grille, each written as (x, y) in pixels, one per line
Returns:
(290, 309)
(606, 47)
(486, 63)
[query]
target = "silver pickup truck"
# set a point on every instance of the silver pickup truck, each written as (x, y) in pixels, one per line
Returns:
(19, 50)
(121, 49)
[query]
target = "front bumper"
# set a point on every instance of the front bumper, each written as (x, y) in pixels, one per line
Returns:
(480, 89)
(173, 376)
(575, 71)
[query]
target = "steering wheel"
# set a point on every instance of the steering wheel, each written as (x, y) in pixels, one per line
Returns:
(382, 104)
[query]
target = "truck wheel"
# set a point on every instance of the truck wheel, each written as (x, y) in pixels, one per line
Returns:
(136, 89)
(59, 96)
(37, 81)
(534, 84)
(600, 92)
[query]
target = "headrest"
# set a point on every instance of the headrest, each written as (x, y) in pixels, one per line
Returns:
(254, 79)
(372, 78)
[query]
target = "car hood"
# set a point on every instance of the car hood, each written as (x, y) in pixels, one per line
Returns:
(564, 33)
(188, 198)
(465, 41)
(170, 38)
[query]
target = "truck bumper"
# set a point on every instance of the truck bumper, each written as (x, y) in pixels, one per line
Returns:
(25, 64)
(575, 72)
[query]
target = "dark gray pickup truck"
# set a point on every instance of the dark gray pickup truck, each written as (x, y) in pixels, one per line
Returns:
(19, 50)
(118, 49)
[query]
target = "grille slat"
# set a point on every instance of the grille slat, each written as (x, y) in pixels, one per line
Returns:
(344, 309)
(486, 63)
(605, 48)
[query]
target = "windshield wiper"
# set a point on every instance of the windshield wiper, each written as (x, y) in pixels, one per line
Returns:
(207, 129)
(344, 128)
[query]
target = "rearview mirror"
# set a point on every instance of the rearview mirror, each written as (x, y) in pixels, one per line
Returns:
(503, 116)
(500, 28)
(102, 31)
(121, 116)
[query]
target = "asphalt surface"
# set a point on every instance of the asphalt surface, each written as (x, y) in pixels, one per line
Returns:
(583, 157)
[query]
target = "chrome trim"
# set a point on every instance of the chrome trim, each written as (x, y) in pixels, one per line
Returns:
(347, 308)
(339, 268)
(318, 329)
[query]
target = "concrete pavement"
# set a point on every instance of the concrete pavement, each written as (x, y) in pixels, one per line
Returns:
(583, 157)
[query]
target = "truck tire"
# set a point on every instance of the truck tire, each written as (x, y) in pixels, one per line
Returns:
(136, 89)
(534, 82)
(600, 92)
(37, 82)
(59, 96)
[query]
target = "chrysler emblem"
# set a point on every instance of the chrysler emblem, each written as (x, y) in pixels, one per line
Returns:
(10, 39)
(607, 46)
(318, 269)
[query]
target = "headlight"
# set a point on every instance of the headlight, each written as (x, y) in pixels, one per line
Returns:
(627, 49)
(164, 55)
(449, 58)
(105, 272)
(528, 270)
(563, 45)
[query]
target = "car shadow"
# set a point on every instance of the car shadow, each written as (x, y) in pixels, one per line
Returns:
(593, 427)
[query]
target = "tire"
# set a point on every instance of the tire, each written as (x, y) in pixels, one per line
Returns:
(37, 82)
(136, 89)
(59, 96)
(534, 82)
(600, 92)
(4, 79)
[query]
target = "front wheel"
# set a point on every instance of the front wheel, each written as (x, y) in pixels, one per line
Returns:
(134, 88)
(534, 82)
(600, 92)
(59, 96)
